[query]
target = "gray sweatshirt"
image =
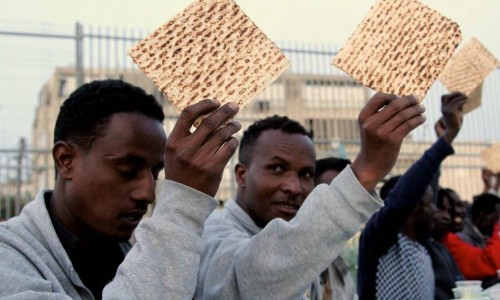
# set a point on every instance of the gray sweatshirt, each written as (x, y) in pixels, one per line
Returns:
(243, 261)
(163, 263)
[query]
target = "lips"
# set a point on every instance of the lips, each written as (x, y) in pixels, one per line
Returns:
(287, 208)
(133, 218)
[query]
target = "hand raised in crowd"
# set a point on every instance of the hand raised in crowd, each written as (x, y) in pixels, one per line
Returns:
(384, 122)
(490, 179)
(197, 159)
(450, 123)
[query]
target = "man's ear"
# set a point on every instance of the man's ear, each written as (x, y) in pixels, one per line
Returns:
(63, 154)
(240, 171)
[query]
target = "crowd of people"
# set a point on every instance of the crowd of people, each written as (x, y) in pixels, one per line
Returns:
(279, 238)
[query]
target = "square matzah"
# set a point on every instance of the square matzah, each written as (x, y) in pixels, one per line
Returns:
(399, 48)
(467, 69)
(211, 50)
(491, 157)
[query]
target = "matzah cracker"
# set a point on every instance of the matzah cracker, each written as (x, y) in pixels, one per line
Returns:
(491, 157)
(399, 48)
(474, 99)
(211, 50)
(467, 69)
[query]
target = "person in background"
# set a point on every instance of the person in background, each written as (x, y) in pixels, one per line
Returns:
(446, 271)
(281, 231)
(334, 283)
(476, 249)
(391, 251)
(491, 181)
(72, 242)
(458, 208)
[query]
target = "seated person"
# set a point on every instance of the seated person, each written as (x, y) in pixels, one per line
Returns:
(458, 211)
(281, 232)
(446, 271)
(109, 148)
(476, 249)
(335, 282)
(392, 261)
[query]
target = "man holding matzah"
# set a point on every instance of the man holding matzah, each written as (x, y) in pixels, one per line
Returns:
(255, 249)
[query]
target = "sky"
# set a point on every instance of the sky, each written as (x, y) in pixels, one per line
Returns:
(318, 21)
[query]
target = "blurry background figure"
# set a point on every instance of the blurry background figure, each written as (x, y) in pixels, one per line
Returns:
(476, 248)
(485, 213)
(458, 208)
(491, 181)
(446, 271)
(336, 281)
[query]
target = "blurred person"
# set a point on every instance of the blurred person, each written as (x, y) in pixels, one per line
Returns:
(336, 281)
(458, 208)
(281, 232)
(485, 213)
(72, 242)
(491, 181)
(446, 271)
(476, 249)
(392, 261)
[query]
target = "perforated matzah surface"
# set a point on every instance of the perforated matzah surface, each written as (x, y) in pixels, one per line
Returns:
(467, 69)
(474, 99)
(491, 157)
(211, 50)
(399, 48)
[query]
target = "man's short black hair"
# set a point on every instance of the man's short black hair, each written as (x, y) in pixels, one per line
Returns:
(442, 193)
(330, 163)
(484, 203)
(253, 132)
(388, 186)
(88, 109)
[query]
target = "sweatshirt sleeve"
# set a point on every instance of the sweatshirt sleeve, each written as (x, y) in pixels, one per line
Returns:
(163, 263)
(285, 257)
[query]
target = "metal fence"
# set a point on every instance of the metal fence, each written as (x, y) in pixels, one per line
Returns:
(98, 49)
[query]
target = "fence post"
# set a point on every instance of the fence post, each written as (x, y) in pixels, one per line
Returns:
(79, 54)
(19, 179)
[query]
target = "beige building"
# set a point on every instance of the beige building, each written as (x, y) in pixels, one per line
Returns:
(325, 104)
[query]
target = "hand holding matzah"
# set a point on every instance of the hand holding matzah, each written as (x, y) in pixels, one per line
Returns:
(198, 159)
(384, 122)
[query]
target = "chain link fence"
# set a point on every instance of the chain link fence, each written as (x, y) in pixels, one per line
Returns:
(46, 62)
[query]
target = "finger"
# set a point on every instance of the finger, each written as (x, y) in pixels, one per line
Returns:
(189, 115)
(459, 104)
(406, 127)
(377, 102)
(220, 137)
(400, 117)
(400, 108)
(227, 150)
(211, 123)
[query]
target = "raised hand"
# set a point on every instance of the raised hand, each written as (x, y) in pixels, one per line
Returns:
(384, 122)
(450, 123)
(197, 159)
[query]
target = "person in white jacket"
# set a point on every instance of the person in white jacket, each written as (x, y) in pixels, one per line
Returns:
(261, 245)
(109, 147)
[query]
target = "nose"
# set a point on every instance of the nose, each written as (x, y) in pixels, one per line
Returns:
(145, 189)
(292, 185)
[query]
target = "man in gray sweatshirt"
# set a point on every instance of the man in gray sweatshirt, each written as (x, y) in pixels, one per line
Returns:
(109, 148)
(261, 246)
